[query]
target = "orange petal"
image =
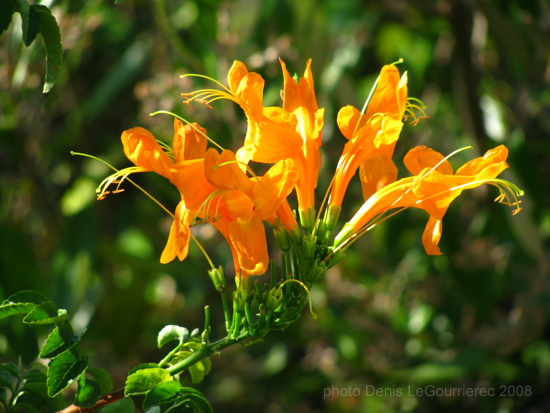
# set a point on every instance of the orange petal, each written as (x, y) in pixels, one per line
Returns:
(189, 178)
(497, 155)
(347, 120)
(390, 97)
(238, 204)
(224, 172)
(189, 141)
(422, 157)
(273, 188)
(142, 149)
(248, 239)
(237, 72)
(285, 214)
(375, 173)
(299, 98)
(178, 240)
(432, 235)
(269, 141)
(435, 191)
(250, 91)
(222, 225)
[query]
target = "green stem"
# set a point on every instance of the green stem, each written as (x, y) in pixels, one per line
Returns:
(226, 311)
(204, 352)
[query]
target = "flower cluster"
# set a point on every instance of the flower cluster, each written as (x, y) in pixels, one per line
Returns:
(217, 186)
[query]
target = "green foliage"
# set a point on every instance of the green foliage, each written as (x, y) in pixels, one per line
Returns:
(37, 19)
(144, 379)
(26, 391)
(388, 316)
(67, 364)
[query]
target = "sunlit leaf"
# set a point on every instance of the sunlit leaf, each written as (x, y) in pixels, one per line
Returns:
(161, 394)
(21, 303)
(46, 313)
(144, 380)
(172, 332)
(64, 370)
(143, 366)
(56, 344)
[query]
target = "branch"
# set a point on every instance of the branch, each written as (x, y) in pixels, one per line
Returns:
(103, 401)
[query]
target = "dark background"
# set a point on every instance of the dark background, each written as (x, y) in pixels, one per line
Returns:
(391, 318)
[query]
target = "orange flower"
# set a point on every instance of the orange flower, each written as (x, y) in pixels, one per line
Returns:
(274, 134)
(299, 99)
(371, 137)
(213, 188)
(271, 134)
(432, 188)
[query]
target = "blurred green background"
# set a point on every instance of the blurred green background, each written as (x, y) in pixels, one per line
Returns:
(391, 318)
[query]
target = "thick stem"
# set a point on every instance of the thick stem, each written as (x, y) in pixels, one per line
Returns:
(205, 351)
(102, 402)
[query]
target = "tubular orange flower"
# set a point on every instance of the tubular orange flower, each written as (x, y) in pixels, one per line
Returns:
(433, 188)
(299, 99)
(274, 133)
(213, 188)
(371, 136)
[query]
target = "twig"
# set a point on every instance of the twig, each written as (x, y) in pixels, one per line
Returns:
(103, 401)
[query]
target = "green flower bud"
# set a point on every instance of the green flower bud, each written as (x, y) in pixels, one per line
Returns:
(218, 278)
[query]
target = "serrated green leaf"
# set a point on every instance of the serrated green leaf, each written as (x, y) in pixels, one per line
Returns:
(54, 49)
(122, 406)
(56, 344)
(46, 313)
(14, 309)
(6, 13)
(161, 394)
(22, 6)
(21, 303)
(88, 392)
(63, 371)
(33, 26)
(172, 332)
(143, 366)
(102, 378)
(144, 380)
(193, 399)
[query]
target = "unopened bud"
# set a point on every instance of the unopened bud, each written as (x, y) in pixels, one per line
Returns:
(239, 299)
(274, 299)
(309, 246)
(218, 278)
(282, 238)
